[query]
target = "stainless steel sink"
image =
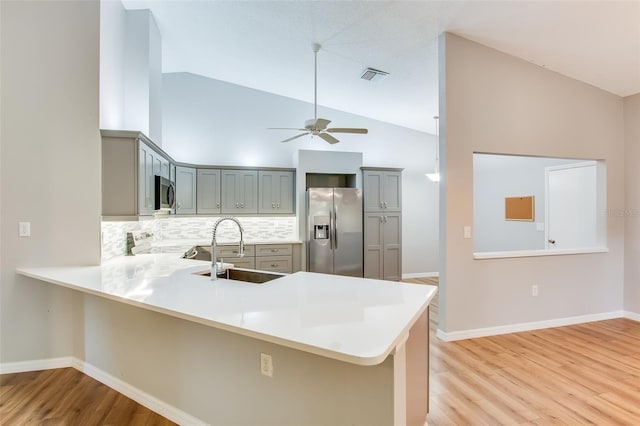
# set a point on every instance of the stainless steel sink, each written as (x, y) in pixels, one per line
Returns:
(249, 276)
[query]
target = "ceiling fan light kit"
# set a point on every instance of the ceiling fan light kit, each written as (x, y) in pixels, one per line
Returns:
(318, 126)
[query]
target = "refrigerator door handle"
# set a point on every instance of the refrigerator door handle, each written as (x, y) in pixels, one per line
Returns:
(331, 225)
(335, 227)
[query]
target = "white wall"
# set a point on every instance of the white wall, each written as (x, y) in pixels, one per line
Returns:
(493, 102)
(131, 70)
(632, 204)
(207, 121)
(496, 177)
(50, 174)
(113, 19)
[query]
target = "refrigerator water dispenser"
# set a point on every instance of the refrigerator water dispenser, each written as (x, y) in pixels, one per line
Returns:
(321, 227)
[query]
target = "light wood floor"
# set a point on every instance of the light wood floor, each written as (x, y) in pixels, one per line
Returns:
(583, 374)
(65, 396)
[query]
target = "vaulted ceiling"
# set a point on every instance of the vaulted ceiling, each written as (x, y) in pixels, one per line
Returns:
(266, 45)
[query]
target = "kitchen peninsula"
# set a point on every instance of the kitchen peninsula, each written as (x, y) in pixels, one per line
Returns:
(345, 350)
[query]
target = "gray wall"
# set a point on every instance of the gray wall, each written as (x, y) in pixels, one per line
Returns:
(493, 102)
(496, 177)
(208, 121)
(632, 204)
(50, 167)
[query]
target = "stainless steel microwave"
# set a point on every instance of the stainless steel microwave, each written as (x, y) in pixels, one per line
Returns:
(165, 194)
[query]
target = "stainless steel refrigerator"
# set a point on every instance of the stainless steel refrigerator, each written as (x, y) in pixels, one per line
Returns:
(334, 231)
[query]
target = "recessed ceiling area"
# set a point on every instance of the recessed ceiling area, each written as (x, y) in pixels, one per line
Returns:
(266, 45)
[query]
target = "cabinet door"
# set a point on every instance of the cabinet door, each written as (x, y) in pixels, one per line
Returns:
(145, 180)
(185, 190)
(392, 247)
(239, 191)
(373, 245)
(275, 190)
(165, 168)
(372, 187)
(392, 191)
(208, 193)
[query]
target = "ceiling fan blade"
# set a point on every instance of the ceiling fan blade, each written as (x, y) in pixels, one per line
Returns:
(348, 130)
(295, 137)
(317, 124)
(327, 137)
(286, 128)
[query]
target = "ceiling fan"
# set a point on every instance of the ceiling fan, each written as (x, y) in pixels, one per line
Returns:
(318, 126)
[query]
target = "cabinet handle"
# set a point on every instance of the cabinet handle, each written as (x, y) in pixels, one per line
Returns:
(218, 205)
(179, 205)
(237, 204)
(273, 205)
(381, 205)
(242, 205)
(278, 205)
(274, 265)
(385, 204)
(274, 250)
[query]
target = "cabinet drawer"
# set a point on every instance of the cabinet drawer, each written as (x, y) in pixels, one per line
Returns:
(273, 250)
(242, 262)
(232, 251)
(274, 263)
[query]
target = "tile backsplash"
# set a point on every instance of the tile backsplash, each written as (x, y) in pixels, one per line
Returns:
(174, 229)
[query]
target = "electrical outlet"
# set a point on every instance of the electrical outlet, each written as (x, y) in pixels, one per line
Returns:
(266, 365)
(534, 290)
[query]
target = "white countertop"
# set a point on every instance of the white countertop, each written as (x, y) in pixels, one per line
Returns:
(350, 319)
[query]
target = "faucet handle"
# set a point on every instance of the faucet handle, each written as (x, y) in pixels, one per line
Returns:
(241, 249)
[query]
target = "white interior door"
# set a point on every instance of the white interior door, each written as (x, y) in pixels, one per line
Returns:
(571, 206)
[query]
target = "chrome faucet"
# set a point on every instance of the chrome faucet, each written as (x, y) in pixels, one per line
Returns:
(214, 264)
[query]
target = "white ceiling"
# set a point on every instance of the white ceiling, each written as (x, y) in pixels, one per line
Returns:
(266, 45)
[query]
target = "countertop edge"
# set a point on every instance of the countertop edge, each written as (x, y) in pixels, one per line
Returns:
(340, 356)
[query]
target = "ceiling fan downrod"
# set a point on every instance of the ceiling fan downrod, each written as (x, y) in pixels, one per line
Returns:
(316, 47)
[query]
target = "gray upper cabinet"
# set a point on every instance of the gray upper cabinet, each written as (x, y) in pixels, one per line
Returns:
(239, 191)
(130, 162)
(148, 164)
(185, 190)
(275, 191)
(382, 190)
(129, 165)
(208, 193)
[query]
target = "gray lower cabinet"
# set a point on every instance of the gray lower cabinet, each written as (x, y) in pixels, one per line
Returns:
(275, 189)
(263, 257)
(383, 246)
(185, 190)
(239, 191)
(208, 191)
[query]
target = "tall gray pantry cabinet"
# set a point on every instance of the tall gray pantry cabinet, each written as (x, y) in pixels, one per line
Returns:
(382, 196)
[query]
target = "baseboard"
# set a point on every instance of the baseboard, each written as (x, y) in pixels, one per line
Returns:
(151, 402)
(632, 315)
(35, 365)
(421, 275)
(528, 326)
(170, 412)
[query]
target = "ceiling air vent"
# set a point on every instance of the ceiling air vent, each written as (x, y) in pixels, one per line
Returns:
(372, 74)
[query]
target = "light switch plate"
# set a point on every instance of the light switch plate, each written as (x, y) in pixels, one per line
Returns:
(467, 232)
(540, 226)
(25, 229)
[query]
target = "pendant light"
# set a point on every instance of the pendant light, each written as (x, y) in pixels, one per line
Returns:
(435, 176)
